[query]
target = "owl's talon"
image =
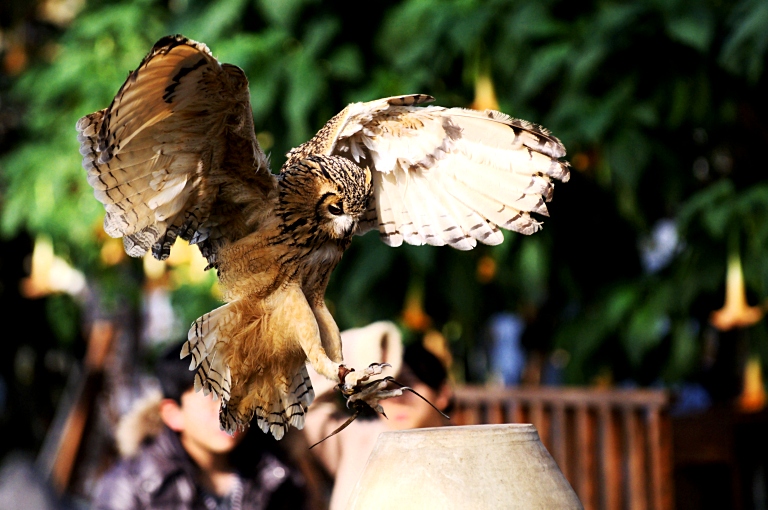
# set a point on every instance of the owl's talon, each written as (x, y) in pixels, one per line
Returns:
(361, 395)
(352, 382)
(372, 393)
(376, 368)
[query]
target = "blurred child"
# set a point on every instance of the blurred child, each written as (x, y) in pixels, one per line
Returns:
(344, 455)
(175, 455)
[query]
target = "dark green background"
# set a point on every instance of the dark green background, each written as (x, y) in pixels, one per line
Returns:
(641, 94)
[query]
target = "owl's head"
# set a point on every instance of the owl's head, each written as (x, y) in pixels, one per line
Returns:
(323, 197)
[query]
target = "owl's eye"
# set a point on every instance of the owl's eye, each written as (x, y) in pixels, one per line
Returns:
(335, 210)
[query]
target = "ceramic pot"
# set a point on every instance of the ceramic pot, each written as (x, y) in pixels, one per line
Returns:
(469, 467)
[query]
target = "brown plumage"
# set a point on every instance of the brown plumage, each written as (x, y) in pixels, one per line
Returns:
(175, 155)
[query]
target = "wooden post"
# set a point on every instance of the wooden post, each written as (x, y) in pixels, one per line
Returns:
(70, 437)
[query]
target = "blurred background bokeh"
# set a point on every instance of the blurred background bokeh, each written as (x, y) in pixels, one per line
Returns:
(652, 270)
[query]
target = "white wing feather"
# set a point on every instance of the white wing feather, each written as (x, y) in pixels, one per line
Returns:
(450, 175)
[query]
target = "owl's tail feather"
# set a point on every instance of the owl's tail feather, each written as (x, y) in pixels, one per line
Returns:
(205, 344)
(285, 406)
(276, 394)
(290, 407)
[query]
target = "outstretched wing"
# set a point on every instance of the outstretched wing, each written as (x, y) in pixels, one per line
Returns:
(175, 154)
(447, 175)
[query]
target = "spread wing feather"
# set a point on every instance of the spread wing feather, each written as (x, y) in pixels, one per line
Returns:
(175, 154)
(446, 175)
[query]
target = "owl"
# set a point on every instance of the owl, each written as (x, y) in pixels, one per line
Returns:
(175, 155)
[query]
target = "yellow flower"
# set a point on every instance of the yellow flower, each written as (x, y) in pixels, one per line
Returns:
(736, 313)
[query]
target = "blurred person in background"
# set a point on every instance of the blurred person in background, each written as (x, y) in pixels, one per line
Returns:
(174, 455)
(345, 454)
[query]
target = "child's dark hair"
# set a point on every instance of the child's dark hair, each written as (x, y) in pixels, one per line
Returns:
(173, 373)
(425, 365)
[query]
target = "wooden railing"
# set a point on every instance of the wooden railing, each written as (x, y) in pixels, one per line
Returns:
(613, 446)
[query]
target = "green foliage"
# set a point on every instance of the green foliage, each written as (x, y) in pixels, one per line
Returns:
(744, 49)
(658, 103)
(63, 316)
(191, 301)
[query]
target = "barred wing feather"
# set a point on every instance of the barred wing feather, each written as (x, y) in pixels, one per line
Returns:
(175, 153)
(450, 175)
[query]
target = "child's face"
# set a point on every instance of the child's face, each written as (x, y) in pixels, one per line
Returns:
(411, 412)
(200, 424)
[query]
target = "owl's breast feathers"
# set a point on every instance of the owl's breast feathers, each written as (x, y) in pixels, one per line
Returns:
(259, 264)
(319, 201)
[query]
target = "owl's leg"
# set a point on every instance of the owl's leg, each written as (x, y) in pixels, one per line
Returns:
(353, 384)
(303, 325)
(329, 331)
(330, 338)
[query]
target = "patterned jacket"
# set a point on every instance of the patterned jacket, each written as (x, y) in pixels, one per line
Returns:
(160, 475)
